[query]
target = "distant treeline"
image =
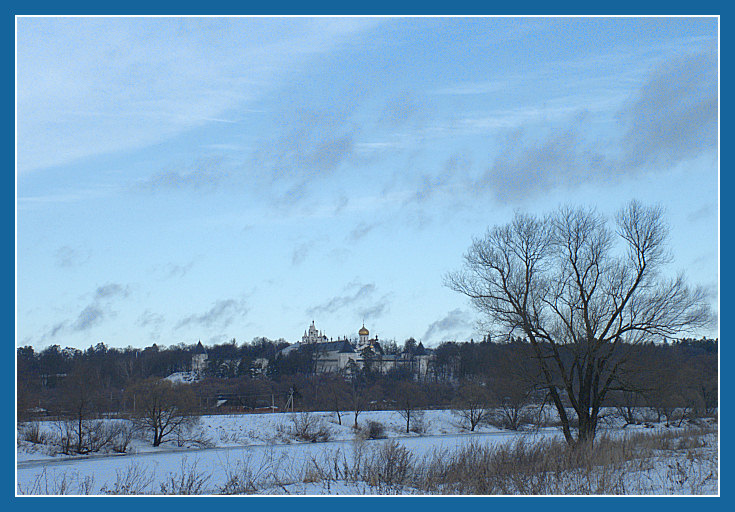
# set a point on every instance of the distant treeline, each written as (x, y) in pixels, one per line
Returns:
(673, 373)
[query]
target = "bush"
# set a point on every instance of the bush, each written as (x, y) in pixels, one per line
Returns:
(134, 479)
(418, 426)
(391, 466)
(122, 436)
(310, 428)
(189, 482)
(373, 430)
(32, 433)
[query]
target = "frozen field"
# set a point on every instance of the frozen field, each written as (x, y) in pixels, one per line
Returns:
(261, 450)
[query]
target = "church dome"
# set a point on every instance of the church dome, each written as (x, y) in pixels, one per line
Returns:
(363, 331)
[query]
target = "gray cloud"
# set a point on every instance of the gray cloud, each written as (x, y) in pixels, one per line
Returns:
(95, 312)
(527, 167)
(68, 257)
(672, 117)
(314, 142)
(702, 213)
(712, 291)
(303, 249)
(456, 321)
(205, 174)
(361, 230)
(342, 301)
(110, 291)
(455, 171)
(401, 110)
(376, 310)
(299, 253)
(153, 321)
(222, 313)
(89, 317)
(173, 270)
(56, 329)
(149, 318)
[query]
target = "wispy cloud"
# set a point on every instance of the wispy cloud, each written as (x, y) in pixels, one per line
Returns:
(300, 252)
(402, 109)
(178, 270)
(205, 174)
(110, 291)
(454, 323)
(153, 322)
(95, 312)
(69, 257)
(149, 318)
(361, 292)
(674, 115)
(670, 118)
(312, 143)
(160, 76)
(362, 230)
(221, 314)
(454, 173)
(526, 167)
(304, 248)
(702, 213)
(377, 309)
(89, 317)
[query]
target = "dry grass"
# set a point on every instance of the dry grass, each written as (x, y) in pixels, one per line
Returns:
(669, 462)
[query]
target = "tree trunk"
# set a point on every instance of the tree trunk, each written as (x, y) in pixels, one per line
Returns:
(79, 433)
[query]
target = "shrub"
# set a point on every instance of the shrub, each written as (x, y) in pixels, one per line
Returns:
(122, 436)
(32, 433)
(134, 479)
(188, 482)
(418, 425)
(372, 430)
(310, 428)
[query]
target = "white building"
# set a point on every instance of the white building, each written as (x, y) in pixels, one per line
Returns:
(335, 356)
(313, 336)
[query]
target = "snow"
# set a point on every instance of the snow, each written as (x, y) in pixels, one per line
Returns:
(262, 446)
(183, 377)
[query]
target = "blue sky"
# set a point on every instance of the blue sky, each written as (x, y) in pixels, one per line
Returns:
(182, 179)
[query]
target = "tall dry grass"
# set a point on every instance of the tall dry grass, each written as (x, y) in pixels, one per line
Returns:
(668, 462)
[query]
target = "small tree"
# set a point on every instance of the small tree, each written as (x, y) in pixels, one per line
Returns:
(409, 398)
(80, 399)
(338, 396)
(357, 394)
(472, 404)
(164, 409)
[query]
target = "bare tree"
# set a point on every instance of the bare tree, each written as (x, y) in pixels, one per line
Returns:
(164, 408)
(338, 396)
(80, 400)
(512, 397)
(473, 404)
(357, 395)
(581, 299)
(409, 398)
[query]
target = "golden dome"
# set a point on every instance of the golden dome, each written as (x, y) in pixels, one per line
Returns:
(363, 331)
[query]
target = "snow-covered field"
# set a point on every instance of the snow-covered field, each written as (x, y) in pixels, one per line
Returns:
(259, 453)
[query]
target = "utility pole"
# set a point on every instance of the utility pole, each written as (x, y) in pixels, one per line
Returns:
(290, 399)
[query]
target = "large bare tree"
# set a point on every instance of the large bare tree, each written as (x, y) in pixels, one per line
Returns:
(582, 294)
